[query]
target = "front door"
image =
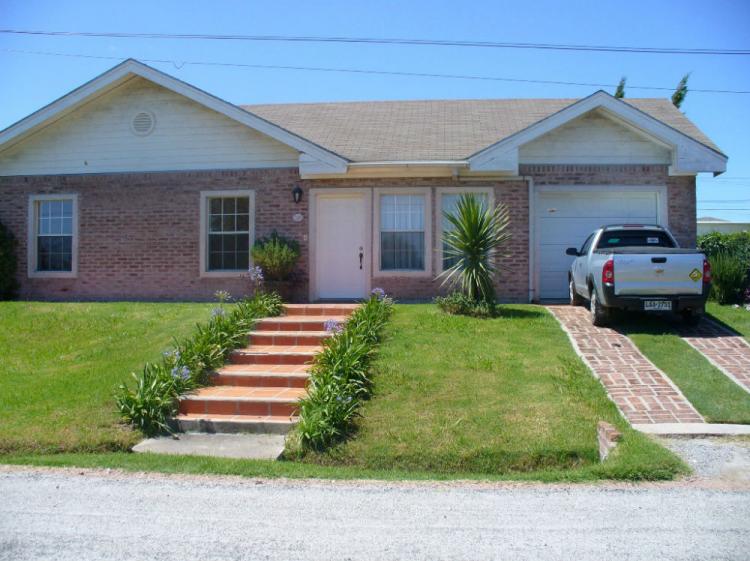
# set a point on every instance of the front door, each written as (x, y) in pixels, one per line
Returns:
(341, 252)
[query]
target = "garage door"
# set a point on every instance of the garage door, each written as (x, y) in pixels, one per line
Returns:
(566, 218)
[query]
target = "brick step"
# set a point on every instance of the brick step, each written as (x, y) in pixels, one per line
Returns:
(235, 400)
(297, 323)
(255, 424)
(288, 338)
(275, 354)
(319, 309)
(259, 379)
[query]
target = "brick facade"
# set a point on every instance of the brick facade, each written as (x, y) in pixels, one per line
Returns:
(140, 234)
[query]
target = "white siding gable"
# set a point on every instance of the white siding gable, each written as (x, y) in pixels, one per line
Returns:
(97, 138)
(594, 138)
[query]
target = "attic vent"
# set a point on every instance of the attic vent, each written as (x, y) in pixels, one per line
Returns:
(143, 123)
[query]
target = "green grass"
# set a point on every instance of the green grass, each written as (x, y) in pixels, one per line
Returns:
(714, 395)
(736, 318)
(456, 398)
(62, 361)
(494, 396)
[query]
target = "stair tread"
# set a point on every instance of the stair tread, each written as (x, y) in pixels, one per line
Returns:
(291, 333)
(292, 318)
(280, 350)
(262, 374)
(282, 369)
(235, 418)
(249, 393)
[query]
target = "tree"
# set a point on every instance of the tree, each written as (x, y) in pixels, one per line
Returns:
(620, 91)
(476, 233)
(679, 94)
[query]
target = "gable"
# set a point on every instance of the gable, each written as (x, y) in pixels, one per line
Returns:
(594, 138)
(97, 137)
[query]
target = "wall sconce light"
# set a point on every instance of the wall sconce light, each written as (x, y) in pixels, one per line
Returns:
(297, 194)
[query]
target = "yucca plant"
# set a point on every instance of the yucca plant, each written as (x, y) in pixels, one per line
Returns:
(475, 234)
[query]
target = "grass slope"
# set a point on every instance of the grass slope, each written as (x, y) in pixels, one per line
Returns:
(62, 361)
(736, 318)
(714, 395)
(505, 395)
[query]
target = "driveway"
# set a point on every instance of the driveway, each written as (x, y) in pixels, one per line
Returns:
(84, 515)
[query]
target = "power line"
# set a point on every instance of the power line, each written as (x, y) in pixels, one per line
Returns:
(387, 41)
(180, 64)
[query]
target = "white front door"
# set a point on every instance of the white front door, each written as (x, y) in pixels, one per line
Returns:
(341, 251)
(565, 218)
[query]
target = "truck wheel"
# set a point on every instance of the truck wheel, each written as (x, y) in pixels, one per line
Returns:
(600, 315)
(575, 298)
(693, 317)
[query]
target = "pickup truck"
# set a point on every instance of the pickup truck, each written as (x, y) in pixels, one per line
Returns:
(638, 267)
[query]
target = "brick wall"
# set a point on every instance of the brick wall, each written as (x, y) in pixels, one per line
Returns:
(140, 234)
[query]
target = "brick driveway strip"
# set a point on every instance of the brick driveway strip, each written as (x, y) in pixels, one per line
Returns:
(642, 392)
(726, 350)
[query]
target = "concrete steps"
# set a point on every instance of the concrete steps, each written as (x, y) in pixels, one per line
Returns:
(258, 391)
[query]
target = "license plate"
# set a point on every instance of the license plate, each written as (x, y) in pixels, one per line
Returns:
(657, 305)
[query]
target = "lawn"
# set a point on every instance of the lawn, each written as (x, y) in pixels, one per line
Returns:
(505, 395)
(736, 318)
(61, 363)
(714, 395)
(455, 397)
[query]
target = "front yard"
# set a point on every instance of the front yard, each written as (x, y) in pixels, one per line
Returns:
(736, 318)
(455, 397)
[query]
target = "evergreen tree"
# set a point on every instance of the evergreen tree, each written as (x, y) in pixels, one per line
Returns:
(620, 91)
(679, 94)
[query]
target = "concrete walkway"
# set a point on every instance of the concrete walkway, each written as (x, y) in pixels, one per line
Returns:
(725, 349)
(643, 393)
(248, 446)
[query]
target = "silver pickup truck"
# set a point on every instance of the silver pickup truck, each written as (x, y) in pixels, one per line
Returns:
(638, 267)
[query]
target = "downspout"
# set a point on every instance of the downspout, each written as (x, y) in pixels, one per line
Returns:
(532, 238)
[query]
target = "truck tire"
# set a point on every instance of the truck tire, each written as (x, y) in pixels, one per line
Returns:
(575, 298)
(600, 315)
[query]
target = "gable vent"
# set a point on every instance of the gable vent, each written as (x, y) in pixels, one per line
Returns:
(143, 123)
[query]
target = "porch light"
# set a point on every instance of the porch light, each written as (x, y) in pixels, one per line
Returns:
(297, 194)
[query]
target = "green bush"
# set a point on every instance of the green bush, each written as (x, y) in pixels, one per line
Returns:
(154, 399)
(729, 277)
(8, 265)
(277, 256)
(736, 243)
(340, 379)
(458, 303)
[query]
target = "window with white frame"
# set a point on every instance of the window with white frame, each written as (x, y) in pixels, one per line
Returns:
(449, 204)
(228, 233)
(402, 232)
(53, 231)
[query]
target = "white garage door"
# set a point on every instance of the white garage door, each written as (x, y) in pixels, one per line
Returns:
(566, 218)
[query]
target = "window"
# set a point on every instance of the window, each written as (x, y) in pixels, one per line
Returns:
(586, 245)
(402, 233)
(227, 231)
(52, 239)
(449, 204)
(634, 238)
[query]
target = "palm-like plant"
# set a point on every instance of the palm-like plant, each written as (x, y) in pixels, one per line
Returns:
(475, 233)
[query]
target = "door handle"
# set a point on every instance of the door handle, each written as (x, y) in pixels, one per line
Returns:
(361, 256)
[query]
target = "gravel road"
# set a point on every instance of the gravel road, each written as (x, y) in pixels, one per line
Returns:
(82, 515)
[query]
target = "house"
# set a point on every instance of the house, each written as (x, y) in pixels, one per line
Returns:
(140, 186)
(708, 224)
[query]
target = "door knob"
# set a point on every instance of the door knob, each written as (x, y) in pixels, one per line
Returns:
(361, 256)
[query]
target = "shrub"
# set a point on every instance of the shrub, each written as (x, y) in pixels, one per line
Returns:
(458, 303)
(735, 243)
(277, 256)
(153, 400)
(340, 379)
(729, 277)
(475, 233)
(8, 264)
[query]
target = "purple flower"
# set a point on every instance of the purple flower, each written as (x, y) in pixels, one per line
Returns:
(182, 372)
(218, 312)
(378, 293)
(256, 274)
(222, 296)
(333, 326)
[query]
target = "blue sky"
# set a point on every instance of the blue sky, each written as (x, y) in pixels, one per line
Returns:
(36, 80)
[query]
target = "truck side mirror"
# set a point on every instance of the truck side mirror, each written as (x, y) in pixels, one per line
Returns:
(572, 251)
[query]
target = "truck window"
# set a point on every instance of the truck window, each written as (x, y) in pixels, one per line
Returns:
(587, 244)
(634, 238)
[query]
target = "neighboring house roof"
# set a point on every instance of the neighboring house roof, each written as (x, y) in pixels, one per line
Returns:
(710, 219)
(434, 130)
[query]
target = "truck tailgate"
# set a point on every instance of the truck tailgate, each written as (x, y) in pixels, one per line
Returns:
(669, 273)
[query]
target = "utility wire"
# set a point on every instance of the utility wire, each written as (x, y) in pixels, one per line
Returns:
(180, 64)
(387, 41)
